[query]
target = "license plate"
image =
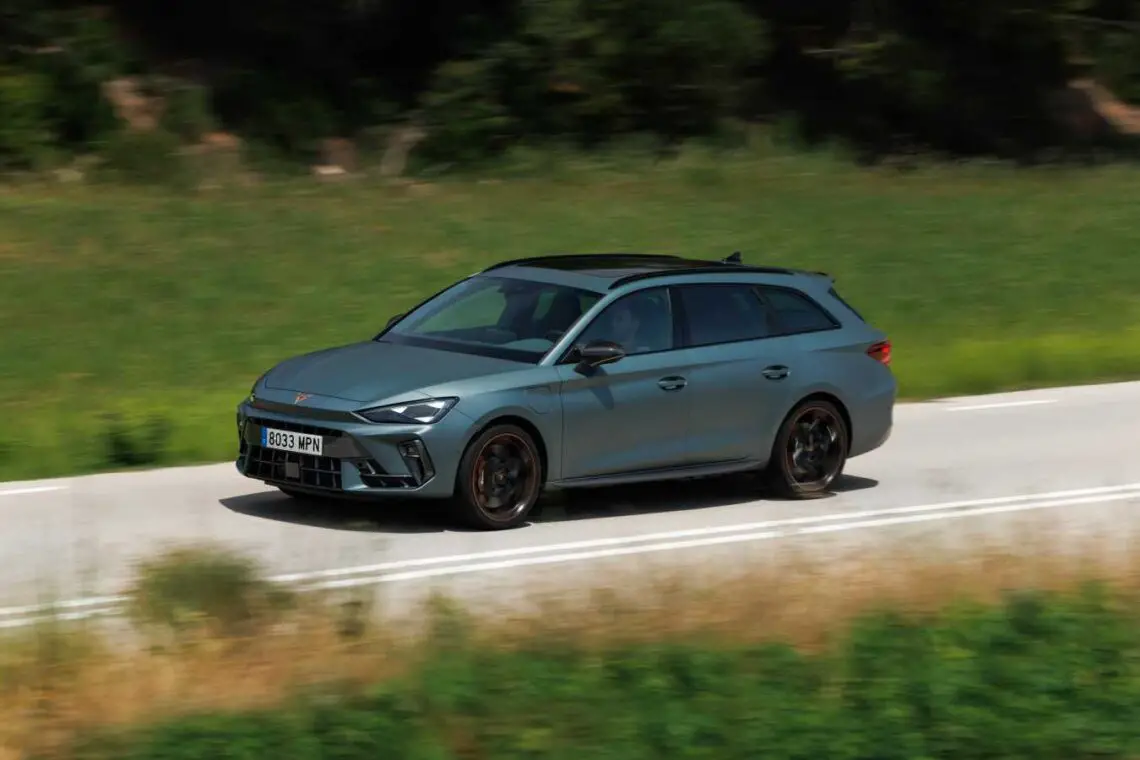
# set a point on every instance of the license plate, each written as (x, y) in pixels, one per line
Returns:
(287, 440)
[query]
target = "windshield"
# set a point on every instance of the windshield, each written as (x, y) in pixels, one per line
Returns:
(495, 316)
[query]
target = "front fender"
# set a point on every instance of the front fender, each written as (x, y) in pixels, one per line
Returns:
(540, 415)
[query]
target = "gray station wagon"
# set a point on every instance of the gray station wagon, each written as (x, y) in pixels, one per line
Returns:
(567, 371)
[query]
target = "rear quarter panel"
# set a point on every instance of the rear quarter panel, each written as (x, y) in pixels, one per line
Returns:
(838, 364)
(835, 363)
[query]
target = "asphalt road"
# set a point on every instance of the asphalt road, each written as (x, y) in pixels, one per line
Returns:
(957, 470)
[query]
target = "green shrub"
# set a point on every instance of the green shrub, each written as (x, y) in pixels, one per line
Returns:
(188, 114)
(133, 445)
(54, 59)
(190, 588)
(1035, 678)
(466, 118)
(152, 158)
(25, 129)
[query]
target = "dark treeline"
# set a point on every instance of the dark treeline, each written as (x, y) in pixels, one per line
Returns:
(963, 77)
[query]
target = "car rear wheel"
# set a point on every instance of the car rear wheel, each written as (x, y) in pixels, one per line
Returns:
(810, 451)
(499, 479)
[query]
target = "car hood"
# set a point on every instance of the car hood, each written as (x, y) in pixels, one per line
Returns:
(372, 371)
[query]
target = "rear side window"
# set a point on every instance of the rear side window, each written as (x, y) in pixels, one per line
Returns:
(793, 312)
(835, 294)
(723, 314)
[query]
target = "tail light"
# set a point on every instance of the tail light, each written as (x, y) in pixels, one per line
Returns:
(881, 352)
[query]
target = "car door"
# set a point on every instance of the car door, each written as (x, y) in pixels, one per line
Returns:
(631, 415)
(743, 372)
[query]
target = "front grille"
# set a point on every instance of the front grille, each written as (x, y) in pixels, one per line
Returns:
(290, 467)
(302, 469)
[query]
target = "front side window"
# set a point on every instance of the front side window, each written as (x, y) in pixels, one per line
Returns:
(495, 316)
(641, 323)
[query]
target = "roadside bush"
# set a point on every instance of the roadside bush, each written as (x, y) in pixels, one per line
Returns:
(1037, 677)
(190, 588)
(131, 444)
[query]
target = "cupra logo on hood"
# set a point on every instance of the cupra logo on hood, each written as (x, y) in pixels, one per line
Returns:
(300, 397)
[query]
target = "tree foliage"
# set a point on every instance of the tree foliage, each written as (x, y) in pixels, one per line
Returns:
(962, 76)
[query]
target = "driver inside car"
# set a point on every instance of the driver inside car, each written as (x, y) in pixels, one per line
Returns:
(639, 323)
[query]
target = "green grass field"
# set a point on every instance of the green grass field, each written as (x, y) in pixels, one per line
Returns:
(157, 305)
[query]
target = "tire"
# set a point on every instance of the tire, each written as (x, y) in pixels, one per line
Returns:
(506, 451)
(783, 477)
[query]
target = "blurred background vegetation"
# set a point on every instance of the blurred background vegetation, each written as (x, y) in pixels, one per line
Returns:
(131, 80)
(134, 137)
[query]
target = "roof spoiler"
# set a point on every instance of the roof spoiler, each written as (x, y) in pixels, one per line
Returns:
(736, 258)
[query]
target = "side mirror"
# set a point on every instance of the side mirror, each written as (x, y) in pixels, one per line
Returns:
(596, 353)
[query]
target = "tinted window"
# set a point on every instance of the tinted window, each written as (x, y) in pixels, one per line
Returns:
(495, 316)
(723, 313)
(835, 294)
(793, 312)
(640, 323)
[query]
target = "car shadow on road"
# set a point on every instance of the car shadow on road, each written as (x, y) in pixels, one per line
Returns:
(675, 496)
(395, 516)
(418, 516)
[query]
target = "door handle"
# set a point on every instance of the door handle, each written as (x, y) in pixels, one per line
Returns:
(672, 383)
(776, 372)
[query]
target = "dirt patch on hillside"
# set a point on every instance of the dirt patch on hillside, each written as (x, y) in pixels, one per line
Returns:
(1124, 117)
(1088, 109)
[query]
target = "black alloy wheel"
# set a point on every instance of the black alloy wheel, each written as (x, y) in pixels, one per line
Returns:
(810, 451)
(499, 479)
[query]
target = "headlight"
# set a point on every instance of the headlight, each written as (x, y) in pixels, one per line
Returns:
(423, 412)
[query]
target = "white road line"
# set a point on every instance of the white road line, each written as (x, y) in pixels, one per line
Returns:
(31, 490)
(7, 625)
(649, 543)
(70, 604)
(766, 535)
(1130, 488)
(1000, 405)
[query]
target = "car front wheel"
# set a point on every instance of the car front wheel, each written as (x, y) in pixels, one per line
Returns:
(810, 451)
(499, 479)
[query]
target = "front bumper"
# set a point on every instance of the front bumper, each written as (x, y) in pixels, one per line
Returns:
(357, 459)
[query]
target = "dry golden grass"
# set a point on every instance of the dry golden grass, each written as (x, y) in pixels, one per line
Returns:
(46, 695)
(57, 681)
